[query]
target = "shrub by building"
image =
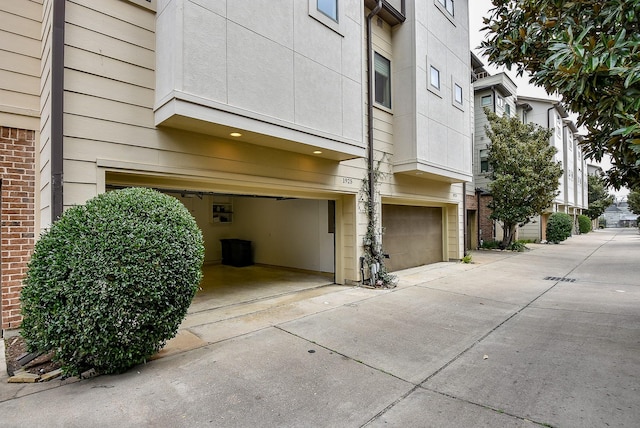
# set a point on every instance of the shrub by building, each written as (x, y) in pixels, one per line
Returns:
(584, 224)
(109, 282)
(559, 227)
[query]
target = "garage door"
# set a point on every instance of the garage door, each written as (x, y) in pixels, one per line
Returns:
(412, 235)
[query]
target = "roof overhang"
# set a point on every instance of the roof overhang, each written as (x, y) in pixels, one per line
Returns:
(392, 11)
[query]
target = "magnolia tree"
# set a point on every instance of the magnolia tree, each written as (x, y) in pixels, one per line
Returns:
(589, 53)
(523, 173)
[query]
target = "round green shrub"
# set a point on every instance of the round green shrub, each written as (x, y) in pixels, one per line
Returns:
(110, 282)
(584, 224)
(559, 227)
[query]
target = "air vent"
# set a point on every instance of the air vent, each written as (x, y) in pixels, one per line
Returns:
(557, 278)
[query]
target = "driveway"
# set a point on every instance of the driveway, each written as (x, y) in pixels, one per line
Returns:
(548, 337)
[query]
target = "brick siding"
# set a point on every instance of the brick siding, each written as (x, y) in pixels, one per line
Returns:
(17, 233)
(486, 224)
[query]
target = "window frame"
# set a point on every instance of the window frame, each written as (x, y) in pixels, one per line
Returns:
(437, 86)
(387, 84)
(448, 6)
(484, 160)
(436, 90)
(325, 19)
(337, 10)
(459, 104)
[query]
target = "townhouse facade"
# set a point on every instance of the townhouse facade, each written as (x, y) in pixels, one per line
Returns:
(499, 93)
(265, 119)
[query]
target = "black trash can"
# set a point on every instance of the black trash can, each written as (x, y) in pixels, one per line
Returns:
(236, 252)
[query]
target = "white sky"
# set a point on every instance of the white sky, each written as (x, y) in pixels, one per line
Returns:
(479, 9)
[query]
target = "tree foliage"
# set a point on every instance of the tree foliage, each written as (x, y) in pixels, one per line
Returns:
(588, 52)
(599, 198)
(111, 280)
(523, 173)
(633, 199)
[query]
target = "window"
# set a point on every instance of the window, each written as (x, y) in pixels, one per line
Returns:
(457, 93)
(500, 101)
(329, 8)
(486, 100)
(382, 80)
(484, 160)
(507, 109)
(448, 4)
(434, 77)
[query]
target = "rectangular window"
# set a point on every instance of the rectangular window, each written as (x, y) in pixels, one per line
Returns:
(434, 77)
(329, 8)
(507, 109)
(457, 93)
(484, 160)
(448, 4)
(486, 100)
(382, 80)
(500, 101)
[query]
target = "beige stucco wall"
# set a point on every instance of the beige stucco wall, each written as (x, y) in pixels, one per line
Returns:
(111, 136)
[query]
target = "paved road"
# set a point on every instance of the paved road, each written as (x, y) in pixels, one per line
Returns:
(550, 337)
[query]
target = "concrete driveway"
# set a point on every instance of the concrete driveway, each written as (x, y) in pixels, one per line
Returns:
(549, 337)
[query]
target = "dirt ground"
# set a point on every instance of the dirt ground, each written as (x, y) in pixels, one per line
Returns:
(15, 347)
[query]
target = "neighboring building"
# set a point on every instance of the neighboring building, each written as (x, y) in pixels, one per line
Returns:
(499, 93)
(573, 188)
(257, 122)
(618, 214)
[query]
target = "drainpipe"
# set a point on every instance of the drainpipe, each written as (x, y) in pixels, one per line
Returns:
(57, 108)
(493, 91)
(464, 217)
(478, 191)
(370, 78)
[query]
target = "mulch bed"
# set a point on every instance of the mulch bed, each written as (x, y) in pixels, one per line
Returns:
(15, 347)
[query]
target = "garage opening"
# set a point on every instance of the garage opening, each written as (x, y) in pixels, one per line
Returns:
(258, 247)
(412, 235)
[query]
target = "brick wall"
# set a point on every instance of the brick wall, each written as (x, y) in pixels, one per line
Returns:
(17, 206)
(486, 224)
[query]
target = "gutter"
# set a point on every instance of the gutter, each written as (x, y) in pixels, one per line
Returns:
(57, 108)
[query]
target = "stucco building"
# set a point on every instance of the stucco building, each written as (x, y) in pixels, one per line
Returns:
(256, 114)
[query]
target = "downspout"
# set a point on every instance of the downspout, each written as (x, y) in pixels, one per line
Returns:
(478, 216)
(493, 91)
(57, 108)
(370, 166)
(464, 218)
(370, 78)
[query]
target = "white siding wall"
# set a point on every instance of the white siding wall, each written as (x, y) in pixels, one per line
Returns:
(569, 166)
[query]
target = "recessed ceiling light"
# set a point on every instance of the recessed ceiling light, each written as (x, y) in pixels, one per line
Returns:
(236, 134)
(317, 152)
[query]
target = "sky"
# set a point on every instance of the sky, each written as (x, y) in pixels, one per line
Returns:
(478, 9)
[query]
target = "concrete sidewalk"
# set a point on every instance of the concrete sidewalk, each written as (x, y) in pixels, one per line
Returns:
(546, 337)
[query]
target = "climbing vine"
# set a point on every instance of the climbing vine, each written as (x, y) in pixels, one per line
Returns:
(373, 256)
